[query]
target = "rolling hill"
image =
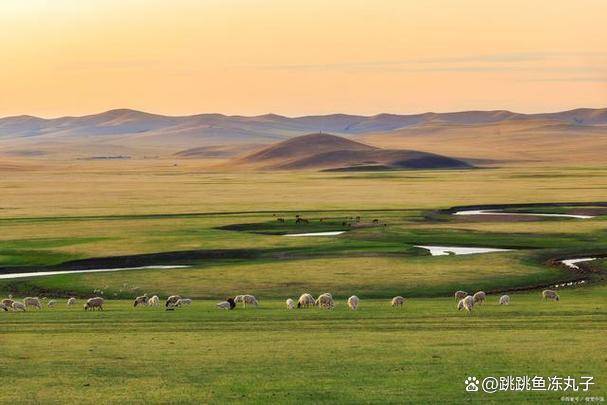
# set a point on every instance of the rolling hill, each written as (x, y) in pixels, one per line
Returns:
(519, 142)
(329, 152)
(501, 136)
(122, 122)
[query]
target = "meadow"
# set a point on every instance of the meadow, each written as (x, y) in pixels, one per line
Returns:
(224, 226)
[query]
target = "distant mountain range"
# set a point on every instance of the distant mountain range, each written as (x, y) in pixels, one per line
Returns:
(270, 126)
(136, 133)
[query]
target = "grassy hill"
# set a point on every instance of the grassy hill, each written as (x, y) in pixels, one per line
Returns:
(519, 142)
(324, 151)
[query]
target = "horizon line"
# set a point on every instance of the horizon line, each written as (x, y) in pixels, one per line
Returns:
(290, 117)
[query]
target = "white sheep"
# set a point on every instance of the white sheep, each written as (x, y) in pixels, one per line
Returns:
(51, 303)
(353, 302)
(32, 302)
(246, 299)
(479, 297)
(92, 303)
(71, 301)
(459, 295)
(466, 303)
(550, 294)
(228, 304)
(183, 301)
(505, 300)
(141, 300)
(172, 300)
(325, 301)
(250, 299)
(7, 303)
(397, 301)
(18, 306)
(305, 300)
(290, 303)
(154, 301)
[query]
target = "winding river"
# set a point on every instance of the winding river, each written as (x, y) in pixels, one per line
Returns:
(55, 273)
(332, 233)
(528, 214)
(459, 250)
(434, 250)
(572, 263)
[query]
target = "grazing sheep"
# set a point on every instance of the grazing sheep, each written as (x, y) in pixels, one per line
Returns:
(93, 303)
(466, 303)
(325, 301)
(71, 301)
(172, 300)
(353, 302)
(228, 304)
(306, 300)
(7, 303)
(459, 295)
(397, 301)
(32, 302)
(18, 306)
(246, 299)
(550, 294)
(154, 301)
(51, 303)
(505, 300)
(290, 303)
(183, 301)
(479, 297)
(141, 300)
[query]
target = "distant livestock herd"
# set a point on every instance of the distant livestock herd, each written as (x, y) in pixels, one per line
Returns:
(465, 301)
(347, 222)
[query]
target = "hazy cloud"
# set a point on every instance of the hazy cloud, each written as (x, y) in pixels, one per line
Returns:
(521, 61)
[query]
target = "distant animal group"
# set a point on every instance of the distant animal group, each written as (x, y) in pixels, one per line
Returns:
(347, 223)
(465, 301)
(35, 302)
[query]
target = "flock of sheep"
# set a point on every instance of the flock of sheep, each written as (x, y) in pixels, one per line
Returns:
(325, 301)
(467, 302)
(35, 302)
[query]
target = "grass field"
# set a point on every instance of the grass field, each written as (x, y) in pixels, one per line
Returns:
(421, 353)
(224, 227)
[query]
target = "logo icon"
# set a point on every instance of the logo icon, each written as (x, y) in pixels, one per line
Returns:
(472, 384)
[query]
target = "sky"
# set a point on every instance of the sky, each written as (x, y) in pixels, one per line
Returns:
(251, 57)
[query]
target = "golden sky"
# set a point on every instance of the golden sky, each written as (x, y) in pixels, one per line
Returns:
(74, 57)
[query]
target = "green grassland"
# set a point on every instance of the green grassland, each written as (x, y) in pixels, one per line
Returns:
(224, 226)
(421, 353)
